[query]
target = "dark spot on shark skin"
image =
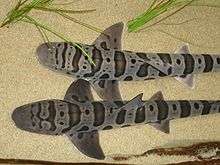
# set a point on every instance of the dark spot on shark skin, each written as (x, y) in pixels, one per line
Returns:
(121, 117)
(107, 127)
(143, 70)
(143, 56)
(87, 112)
(111, 110)
(206, 107)
(84, 67)
(104, 76)
(218, 60)
(196, 105)
(99, 113)
(128, 78)
(174, 107)
(169, 71)
(64, 55)
(185, 108)
(120, 63)
(84, 128)
(104, 45)
(101, 83)
(115, 39)
(151, 108)
(140, 115)
(178, 61)
(162, 110)
(80, 135)
(97, 58)
(52, 115)
(208, 63)
(61, 113)
(61, 123)
(108, 59)
(199, 60)
(33, 124)
(133, 61)
(189, 63)
(76, 58)
(59, 45)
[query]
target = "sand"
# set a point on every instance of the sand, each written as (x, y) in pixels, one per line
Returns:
(24, 80)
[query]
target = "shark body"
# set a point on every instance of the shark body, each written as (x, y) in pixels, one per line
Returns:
(112, 64)
(80, 117)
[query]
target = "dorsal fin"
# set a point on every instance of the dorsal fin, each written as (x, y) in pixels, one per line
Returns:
(135, 102)
(157, 96)
(163, 125)
(88, 142)
(187, 80)
(110, 37)
(79, 90)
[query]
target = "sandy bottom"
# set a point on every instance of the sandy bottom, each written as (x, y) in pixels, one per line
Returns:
(24, 80)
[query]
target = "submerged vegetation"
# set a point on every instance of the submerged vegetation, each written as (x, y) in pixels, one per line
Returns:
(163, 9)
(21, 11)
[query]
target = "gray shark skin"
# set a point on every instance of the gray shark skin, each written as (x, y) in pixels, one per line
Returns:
(80, 117)
(114, 64)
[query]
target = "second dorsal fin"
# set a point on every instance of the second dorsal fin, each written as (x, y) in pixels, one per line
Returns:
(188, 80)
(163, 125)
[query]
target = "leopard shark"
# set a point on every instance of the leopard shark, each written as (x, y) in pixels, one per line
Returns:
(112, 64)
(81, 118)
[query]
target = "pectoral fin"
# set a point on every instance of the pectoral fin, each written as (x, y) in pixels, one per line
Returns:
(187, 80)
(88, 144)
(79, 90)
(111, 37)
(107, 90)
(163, 125)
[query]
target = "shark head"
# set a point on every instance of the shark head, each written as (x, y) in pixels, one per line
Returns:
(63, 57)
(50, 117)
(47, 55)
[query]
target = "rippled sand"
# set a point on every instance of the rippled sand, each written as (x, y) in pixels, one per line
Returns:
(24, 80)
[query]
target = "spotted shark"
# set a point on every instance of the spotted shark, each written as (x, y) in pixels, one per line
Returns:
(112, 64)
(80, 118)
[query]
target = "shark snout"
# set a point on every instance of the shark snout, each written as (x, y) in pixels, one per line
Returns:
(22, 117)
(45, 54)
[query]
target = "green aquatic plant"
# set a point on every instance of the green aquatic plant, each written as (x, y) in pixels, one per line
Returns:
(163, 9)
(21, 11)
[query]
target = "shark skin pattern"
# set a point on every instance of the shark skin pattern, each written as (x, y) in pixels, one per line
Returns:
(80, 117)
(113, 64)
